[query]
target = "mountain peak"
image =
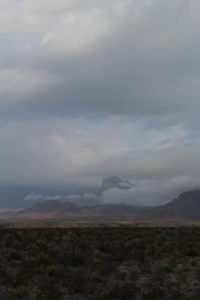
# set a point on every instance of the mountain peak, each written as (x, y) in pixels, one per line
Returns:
(113, 182)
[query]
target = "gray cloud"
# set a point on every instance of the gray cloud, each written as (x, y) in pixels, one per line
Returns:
(162, 162)
(105, 88)
(131, 57)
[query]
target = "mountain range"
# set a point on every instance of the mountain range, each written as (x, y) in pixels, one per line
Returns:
(185, 206)
(53, 209)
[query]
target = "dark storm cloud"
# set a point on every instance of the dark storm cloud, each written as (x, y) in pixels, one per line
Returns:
(126, 57)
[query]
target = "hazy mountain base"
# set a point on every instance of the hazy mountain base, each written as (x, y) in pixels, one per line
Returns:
(100, 264)
(96, 223)
(186, 207)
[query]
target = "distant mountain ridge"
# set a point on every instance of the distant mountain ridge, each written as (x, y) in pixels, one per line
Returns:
(48, 209)
(83, 206)
(186, 206)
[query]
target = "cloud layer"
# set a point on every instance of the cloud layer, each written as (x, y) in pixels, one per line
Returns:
(130, 56)
(98, 88)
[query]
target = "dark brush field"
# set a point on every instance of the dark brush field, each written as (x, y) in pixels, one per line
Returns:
(100, 263)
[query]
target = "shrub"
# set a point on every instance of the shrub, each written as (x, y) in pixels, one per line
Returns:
(72, 259)
(119, 291)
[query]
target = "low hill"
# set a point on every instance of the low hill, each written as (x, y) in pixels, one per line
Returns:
(49, 209)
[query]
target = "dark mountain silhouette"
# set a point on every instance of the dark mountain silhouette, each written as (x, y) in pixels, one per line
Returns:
(186, 206)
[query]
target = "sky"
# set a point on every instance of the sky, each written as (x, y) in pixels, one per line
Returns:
(91, 89)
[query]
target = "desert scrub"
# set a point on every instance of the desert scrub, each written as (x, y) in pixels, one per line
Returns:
(20, 292)
(100, 263)
(75, 260)
(123, 290)
(154, 292)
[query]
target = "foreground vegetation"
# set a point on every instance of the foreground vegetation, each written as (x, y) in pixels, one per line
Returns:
(100, 263)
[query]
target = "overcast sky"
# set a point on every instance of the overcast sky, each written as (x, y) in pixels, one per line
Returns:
(94, 88)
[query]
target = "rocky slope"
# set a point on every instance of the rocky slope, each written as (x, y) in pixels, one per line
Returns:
(186, 206)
